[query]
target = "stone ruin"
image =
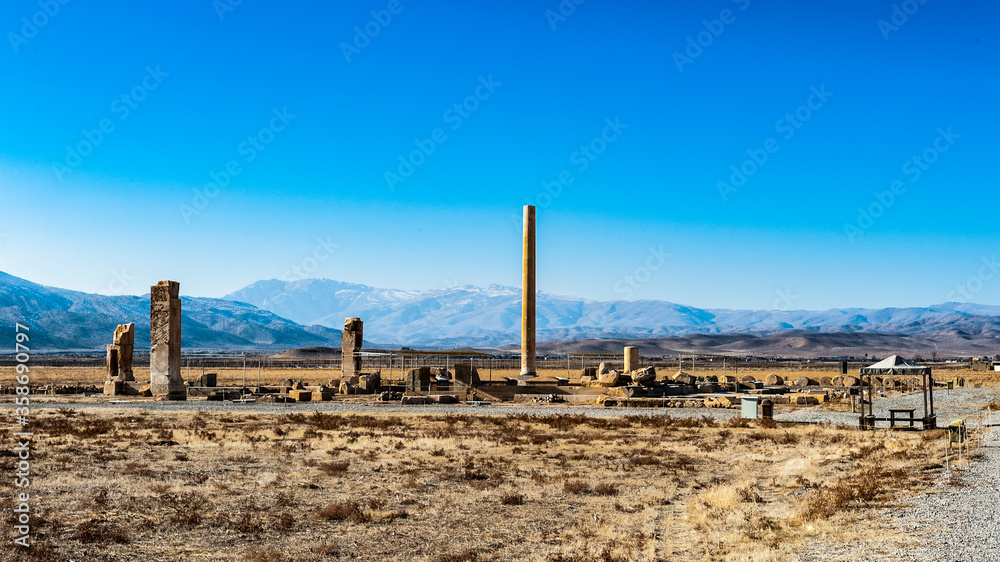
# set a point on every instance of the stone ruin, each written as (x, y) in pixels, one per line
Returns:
(119, 358)
(165, 380)
(351, 340)
(354, 381)
(119, 362)
(439, 379)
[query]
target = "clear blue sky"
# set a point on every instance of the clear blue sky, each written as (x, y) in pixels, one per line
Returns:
(312, 116)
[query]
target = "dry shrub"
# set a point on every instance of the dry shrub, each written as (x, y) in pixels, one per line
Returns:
(343, 511)
(466, 556)
(101, 532)
(645, 461)
(249, 524)
(265, 554)
(334, 467)
(864, 484)
(284, 522)
(576, 487)
(512, 498)
(605, 489)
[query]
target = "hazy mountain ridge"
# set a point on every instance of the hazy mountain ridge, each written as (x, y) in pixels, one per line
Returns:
(490, 316)
(60, 319)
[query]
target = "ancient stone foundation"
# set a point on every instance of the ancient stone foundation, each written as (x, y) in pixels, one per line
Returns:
(165, 380)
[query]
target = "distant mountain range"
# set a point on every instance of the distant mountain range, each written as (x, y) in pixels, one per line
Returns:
(62, 320)
(277, 315)
(490, 316)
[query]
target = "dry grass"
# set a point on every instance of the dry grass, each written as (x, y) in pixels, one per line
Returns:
(237, 486)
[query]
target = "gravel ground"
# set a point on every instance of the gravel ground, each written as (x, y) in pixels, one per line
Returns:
(959, 403)
(957, 519)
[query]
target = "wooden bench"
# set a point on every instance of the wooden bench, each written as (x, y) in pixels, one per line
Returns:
(893, 417)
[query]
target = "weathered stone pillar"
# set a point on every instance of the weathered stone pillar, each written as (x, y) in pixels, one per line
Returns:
(528, 296)
(125, 343)
(351, 340)
(165, 380)
(631, 359)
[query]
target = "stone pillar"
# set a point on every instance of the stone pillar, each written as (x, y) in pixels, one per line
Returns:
(631, 359)
(165, 380)
(528, 296)
(125, 342)
(351, 340)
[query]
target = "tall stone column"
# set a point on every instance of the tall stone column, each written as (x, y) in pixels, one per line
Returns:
(351, 340)
(165, 380)
(528, 296)
(125, 340)
(631, 359)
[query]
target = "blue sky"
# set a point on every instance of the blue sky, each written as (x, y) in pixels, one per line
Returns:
(737, 154)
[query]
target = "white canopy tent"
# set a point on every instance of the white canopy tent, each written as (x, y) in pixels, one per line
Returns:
(896, 365)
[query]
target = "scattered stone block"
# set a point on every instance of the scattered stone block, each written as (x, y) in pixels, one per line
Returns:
(609, 378)
(748, 379)
(774, 380)
(466, 374)
(114, 388)
(684, 378)
(826, 381)
(415, 400)
(300, 395)
(645, 376)
(418, 380)
(146, 390)
(369, 383)
(805, 381)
